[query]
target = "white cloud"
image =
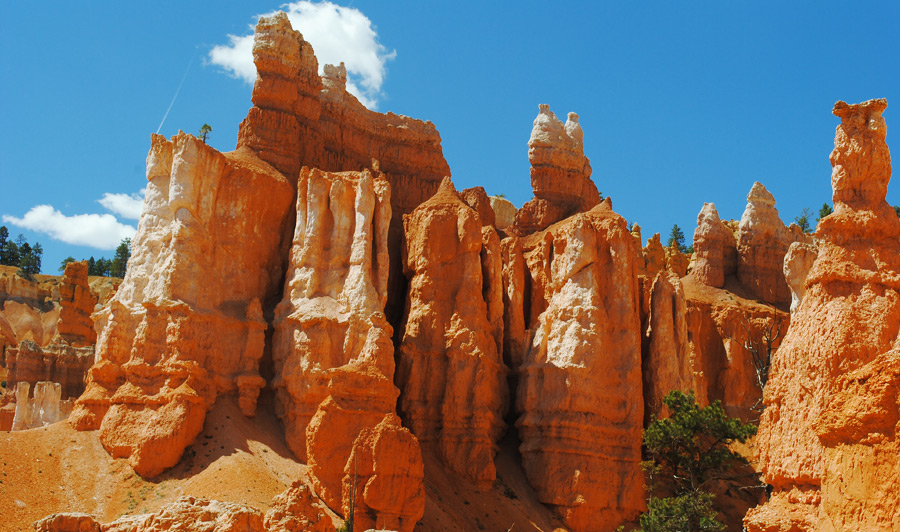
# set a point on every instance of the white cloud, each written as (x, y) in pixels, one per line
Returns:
(125, 205)
(337, 34)
(101, 231)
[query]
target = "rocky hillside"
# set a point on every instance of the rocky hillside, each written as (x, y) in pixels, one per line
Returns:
(318, 326)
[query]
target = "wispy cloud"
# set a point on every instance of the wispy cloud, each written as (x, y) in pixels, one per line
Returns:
(337, 34)
(101, 231)
(125, 205)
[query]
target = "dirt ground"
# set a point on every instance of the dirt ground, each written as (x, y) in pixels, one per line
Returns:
(237, 459)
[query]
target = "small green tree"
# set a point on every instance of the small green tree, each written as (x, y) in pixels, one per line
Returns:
(684, 451)
(62, 265)
(803, 219)
(676, 237)
(824, 211)
(30, 260)
(205, 130)
(120, 262)
(897, 210)
(9, 250)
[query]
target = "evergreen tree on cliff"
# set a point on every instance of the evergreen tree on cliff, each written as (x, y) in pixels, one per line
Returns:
(120, 262)
(686, 450)
(676, 237)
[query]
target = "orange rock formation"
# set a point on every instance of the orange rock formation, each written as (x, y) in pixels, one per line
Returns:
(762, 243)
(186, 323)
(579, 393)
(829, 416)
(450, 370)
(334, 359)
(75, 325)
(560, 173)
(712, 241)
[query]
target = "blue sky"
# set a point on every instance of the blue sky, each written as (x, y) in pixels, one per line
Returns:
(681, 102)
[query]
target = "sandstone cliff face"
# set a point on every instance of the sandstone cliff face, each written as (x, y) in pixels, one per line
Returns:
(450, 372)
(299, 119)
(560, 173)
(579, 394)
(75, 325)
(850, 315)
(334, 360)
(798, 261)
(666, 363)
(711, 239)
(763, 241)
(59, 363)
(504, 211)
(186, 324)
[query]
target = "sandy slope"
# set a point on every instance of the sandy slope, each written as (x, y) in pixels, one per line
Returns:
(57, 469)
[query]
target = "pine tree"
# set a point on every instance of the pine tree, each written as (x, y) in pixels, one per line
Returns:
(676, 237)
(686, 450)
(120, 262)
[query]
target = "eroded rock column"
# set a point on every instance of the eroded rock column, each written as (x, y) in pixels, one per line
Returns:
(579, 396)
(850, 315)
(452, 379)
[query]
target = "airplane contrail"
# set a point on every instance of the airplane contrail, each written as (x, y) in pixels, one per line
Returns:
(176, 92)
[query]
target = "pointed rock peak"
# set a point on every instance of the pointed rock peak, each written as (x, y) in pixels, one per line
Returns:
(574, 131)
(447, 186)
(759, 195)
(708, 214)
(446, 193)
(654, 241)
(606, 204)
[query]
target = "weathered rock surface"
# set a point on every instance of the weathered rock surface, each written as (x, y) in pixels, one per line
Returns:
(676, 261)
(59, 363)
(666, 363)
(654, 257)
(850, 316)
(798, 261)
(187, 514)
(721, 325)
(763, 241)
(299, 119)
(560, 173)
(478, 199)
(333, 354)
(297, 510)
(579, 394)
(858, 430)
(711, 239)
(450, 371)
(75, 325)
(504, 212)
(384, 478)
(186, 323)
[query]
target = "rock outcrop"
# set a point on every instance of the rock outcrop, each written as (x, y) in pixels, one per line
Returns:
(711, 242)
(504, 212)
(763, 241)
(560, 174)
(186, 325)
(334, 359)
(798, 261)
(187, 514)
(77, 304)
(579, 394)
(817, 436)
(59, 363)
(300, 119)
(666, 363)
(450, 371)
